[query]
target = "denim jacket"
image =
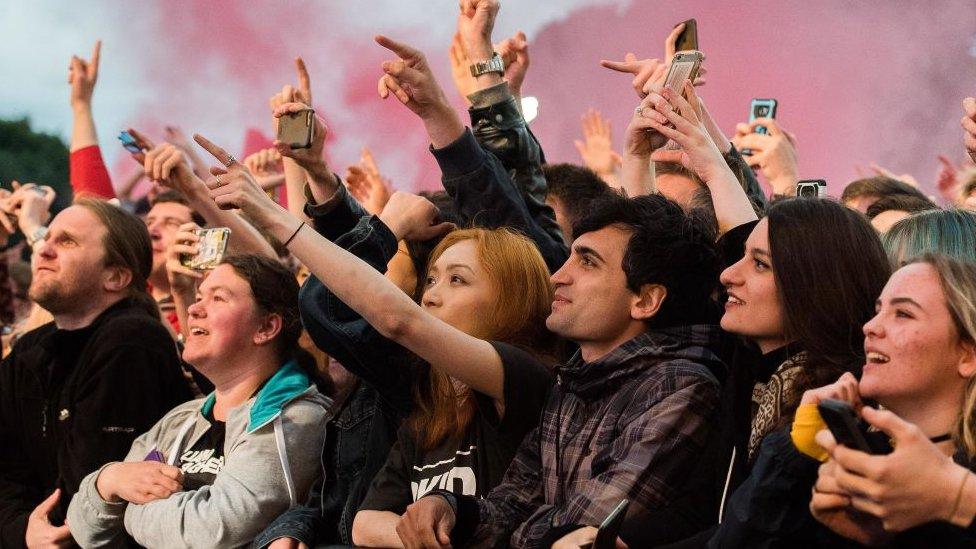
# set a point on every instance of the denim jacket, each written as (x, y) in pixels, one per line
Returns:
(364, 427)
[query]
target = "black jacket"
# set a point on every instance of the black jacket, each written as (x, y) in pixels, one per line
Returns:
(71, 401)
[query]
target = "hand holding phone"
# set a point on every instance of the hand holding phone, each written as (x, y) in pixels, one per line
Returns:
(688, 39)
(212, 246)
(296, 129)
(848, 429)
(606, 536)
(129, 142)
(760, 108)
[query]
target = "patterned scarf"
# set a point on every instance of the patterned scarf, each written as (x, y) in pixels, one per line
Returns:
(769, 400)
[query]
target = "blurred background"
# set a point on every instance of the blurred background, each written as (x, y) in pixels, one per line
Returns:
(857, 82)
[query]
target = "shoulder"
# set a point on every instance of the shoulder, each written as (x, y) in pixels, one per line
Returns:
(521, 363)
(132, 325)
(309, 410)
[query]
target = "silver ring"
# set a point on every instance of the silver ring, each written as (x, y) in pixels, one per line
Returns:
(231, 159)
(217, 177)
(639, 111)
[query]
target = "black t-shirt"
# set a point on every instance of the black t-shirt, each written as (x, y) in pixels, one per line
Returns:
(201, 463)
(477, 462)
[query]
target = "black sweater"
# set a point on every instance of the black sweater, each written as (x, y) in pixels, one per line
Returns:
(73, 400)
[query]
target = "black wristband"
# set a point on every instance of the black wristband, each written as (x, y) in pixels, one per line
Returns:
(294, 234)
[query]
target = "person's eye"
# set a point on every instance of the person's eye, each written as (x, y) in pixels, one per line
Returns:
(901, 313)
(760, 265)
(586, 261)
(457, 280)
(219, 298)
(430, 281)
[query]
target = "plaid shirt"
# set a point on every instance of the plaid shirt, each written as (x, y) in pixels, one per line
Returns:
(632, 425)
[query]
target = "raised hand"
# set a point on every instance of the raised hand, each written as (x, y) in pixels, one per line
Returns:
(233, 186)
(947, 179)
(514, 52)
(698, 152)
(367, 185)
(138, 482)
(410, 79)
(905, 177)
(773, 153)
(40, 532)
(412, 217)
(648, 73)
(82, 75)
(969, 126)
(464, 82)
(311, 158)
(264, 162)
(185, 242)
(596, 147)
(166, 165)
(475, 26)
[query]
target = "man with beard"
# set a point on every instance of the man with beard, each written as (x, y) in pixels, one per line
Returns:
(75, 392)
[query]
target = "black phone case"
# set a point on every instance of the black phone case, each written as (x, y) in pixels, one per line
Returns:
(848, 429)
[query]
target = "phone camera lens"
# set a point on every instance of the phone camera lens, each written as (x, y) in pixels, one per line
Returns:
(762, 110)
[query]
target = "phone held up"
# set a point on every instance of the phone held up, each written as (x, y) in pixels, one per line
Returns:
(684, 66)
(688, 39)
(811, 188)
(129, 143)
(848, 429)
(760, 108)
(297, 129)
(213, 245)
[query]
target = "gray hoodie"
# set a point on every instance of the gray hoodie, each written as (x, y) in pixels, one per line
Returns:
(272, 447)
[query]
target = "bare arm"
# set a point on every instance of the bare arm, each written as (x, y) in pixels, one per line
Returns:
(376, 529)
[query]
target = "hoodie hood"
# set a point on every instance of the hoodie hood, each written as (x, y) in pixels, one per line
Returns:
(698, 343)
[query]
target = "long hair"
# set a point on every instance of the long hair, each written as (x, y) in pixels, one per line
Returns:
(128, 247)
(948, 232)
(522, 300)
(830, 268)
(958, 279)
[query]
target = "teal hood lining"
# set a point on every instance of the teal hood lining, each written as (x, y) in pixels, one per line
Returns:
(286, 384)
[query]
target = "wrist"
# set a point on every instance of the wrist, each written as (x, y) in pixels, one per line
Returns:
(104, 484)
(392, 223)
(784, 185)
(81, 107)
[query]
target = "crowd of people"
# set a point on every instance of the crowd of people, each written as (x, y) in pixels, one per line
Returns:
(498, 363)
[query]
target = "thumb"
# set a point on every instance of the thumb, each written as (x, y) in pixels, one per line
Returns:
(894, 426)
(48, 505)
(665, 155)
(441, 229)
(443, 533)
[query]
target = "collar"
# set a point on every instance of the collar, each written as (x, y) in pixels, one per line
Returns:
(768, 363)
(284, 386)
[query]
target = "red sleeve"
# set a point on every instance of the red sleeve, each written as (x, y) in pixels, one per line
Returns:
(89, 176)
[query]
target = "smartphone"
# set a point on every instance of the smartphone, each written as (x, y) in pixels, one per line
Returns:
(811, 188)
(760, 108)
(684, 66)
(129, 143)
(297, 129)
(213, 245)
(848, 429)
(688, 39)
(606, 536)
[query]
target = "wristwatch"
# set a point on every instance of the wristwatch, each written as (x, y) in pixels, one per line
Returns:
(495, 64)
(36, 236)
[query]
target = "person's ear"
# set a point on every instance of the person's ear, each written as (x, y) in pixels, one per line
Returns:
(648, 301)
(967, 360)
(116, 279)
(270, 327)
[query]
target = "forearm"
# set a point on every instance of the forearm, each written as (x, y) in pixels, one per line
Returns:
(196, 161)
(732, 206)
(443, 126)
(966, 511)
(784, 185)
(182, 299)
(376, 529)
(322, 183)
(637, 175)
(295, 179)
(82, 127)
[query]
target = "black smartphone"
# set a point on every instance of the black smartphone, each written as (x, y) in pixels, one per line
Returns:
(129, 142)
(760, 108)
(688, 39)
(848, 429)
(297, 129)
(609, 531)
(811, 188)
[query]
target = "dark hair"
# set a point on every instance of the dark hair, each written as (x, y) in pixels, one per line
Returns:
(830, 268)
(275, 291)
(666, 247)
(879, 187)
(420, 251)
(575, 187)
(127, 246)
(901, 203)
(177, 197)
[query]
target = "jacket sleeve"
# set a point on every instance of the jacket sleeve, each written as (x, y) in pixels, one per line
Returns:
(248, 493)
(657, 447)
(88, 173)
(298, 523)
(345, 336)
(337, 215)
(500, 128)
(96, 522)
(485, 195)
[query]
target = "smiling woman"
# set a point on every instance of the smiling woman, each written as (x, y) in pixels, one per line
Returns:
(252, 445)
